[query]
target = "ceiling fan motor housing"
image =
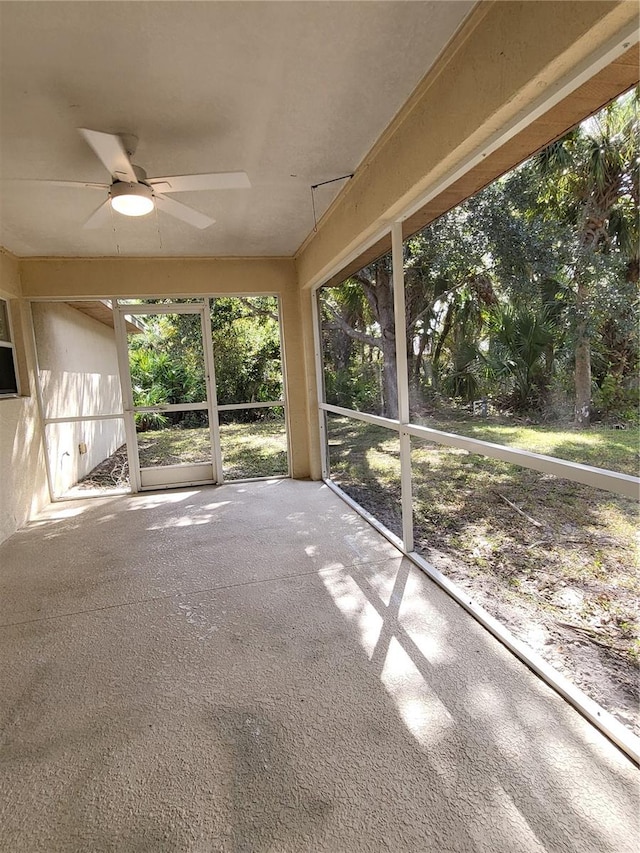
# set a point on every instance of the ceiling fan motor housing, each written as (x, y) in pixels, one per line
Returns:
(131, 199)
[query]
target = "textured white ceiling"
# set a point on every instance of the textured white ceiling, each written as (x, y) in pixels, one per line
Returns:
(293, 93)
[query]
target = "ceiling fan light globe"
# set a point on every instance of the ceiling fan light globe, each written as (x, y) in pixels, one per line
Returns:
(132, 205)
(131, 199)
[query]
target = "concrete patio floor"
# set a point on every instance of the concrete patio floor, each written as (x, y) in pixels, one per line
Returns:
(253, 668)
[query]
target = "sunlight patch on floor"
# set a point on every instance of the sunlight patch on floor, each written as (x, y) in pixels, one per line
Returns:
(216, 505)
(355, 606)
(61, 514)
(423, 713)
(383, 580)
(425, 625)
(154, 501)
(181, 521)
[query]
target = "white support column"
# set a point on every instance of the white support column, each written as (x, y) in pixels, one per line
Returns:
(284, 372)
(403, 384)
(122, 350)
(317, 348)
(212, 392)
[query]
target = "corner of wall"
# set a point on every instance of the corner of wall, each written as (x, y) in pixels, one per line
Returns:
(308, 366)
(10, 284)
(22, 465)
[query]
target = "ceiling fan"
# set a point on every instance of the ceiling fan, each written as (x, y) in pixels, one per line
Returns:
(133, 194)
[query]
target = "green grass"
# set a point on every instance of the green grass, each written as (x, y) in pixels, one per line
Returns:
(256, 449)
(174, 446)
(601, 447)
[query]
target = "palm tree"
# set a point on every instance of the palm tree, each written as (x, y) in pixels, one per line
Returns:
(518, 352)
(593, 174)
(353, 335)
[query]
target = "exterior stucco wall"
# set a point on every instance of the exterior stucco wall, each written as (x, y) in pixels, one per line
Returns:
(24, 487)
(78, 366)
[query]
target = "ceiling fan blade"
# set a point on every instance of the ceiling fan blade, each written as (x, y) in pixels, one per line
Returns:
(100, 217)
(111, 152)
(89, 185)
(181, 211)
(211, 181)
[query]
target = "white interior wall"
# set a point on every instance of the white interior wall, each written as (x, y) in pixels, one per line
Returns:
(68, 465)
(78, 366)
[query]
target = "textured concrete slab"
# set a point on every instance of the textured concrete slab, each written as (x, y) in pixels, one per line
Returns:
(252, 668)
(163, 543)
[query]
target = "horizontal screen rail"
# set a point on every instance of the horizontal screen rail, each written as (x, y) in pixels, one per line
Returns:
(82, 418)
(173, 407)
(599, 478)
(233, 407)
(389, 423)
(146, 310)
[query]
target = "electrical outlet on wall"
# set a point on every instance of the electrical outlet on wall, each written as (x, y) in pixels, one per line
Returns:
(82, 448)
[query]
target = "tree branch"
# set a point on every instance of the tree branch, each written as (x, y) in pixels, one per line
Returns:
(444, 295)
(341, 325)
(262, 312)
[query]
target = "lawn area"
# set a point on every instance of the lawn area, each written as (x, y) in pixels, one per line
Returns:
(257, 449)
(601, 447)
(254, 450)
(174, 446)
(561, 572)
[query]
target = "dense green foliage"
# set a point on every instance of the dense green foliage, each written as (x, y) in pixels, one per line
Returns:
(522, 294)
(168, 367)
(246, 347)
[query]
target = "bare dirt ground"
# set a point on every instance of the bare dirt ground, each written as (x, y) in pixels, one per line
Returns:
(111, 473)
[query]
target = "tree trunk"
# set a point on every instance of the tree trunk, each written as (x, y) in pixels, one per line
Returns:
(389, 384)
(591, 233)
(583, 360)
(446, 328)
(379, 293)
(389, 367)
(342, 348)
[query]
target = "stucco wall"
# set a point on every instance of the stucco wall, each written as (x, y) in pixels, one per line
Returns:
(79, 376)
(24, 487)
(127, 277)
